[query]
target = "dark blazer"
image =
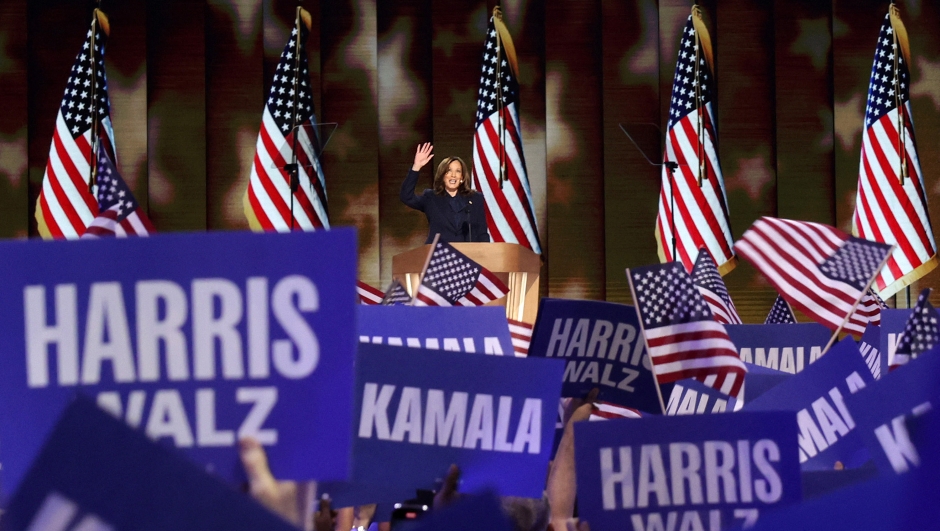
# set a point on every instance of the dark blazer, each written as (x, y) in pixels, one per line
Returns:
(446, 217)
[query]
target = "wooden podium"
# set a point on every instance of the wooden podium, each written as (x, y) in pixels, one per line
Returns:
(517, 266)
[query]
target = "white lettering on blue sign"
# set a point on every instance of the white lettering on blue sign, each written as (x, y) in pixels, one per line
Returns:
(787, 359)
(58, 513)
(215, 308)
(702, 472)
(872, 358)
(827, 420)
(423, 417)
(456, 344)
(896, 443)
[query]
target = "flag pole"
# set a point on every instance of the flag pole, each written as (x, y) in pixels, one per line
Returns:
(646, 343)
(848, 316)
(93, 105)
(292, 167)
(501, 126)
(424, 268)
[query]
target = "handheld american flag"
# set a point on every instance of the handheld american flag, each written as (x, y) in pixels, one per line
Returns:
(818, 269)
(891, 202)
(696, 187)
(272, 201)
(119, 214)
(499, 170)
(921, 332)
(780, 313)
(66, 206)
(396, 294)
(708, 281)
(453, 279)
(608, 411)
(368, 295)
(682, 337)
(869, 309)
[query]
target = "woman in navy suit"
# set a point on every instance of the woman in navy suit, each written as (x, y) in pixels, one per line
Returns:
(454, 211)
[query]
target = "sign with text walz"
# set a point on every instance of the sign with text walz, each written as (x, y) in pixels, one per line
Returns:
(196, 339)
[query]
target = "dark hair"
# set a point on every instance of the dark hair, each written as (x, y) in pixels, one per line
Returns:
(463, 188)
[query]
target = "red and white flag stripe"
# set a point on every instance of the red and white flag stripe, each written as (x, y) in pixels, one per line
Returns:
(369, 295)
(488, 288)
(510, 213)
(722, 312)
(690, 350)
(106, 224)
(607, 411)
(788, 253)
(268, 195)
(891, 212)
(521, 334)
(701, 217)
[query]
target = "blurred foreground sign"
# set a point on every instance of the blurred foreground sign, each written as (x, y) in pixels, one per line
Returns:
(96, 474)
(197, 339)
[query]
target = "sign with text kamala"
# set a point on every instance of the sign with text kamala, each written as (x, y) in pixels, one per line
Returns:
(197, 339)
(419, 411)
(603, 347)
(784, 347)
(710, 472)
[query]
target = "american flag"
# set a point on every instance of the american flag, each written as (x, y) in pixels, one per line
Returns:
(497, 144)
(921, 333)
(288, 120)
(396, 294)
(818, 269)
(66, 205)
(368, 295)
(119, 214)
(701, 208)
(683, 338)
(869, 310)
(521, 334)
(453, 279)
(780, 313)
(889, 207)
(706, 278)
(607, 411)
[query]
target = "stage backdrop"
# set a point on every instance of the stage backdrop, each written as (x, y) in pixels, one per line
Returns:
(188, 80)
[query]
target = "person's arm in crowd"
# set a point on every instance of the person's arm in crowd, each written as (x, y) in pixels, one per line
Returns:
(423, 155)
(562, 484)
(289, 499)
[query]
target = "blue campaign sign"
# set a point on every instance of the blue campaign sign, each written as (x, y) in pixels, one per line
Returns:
(198, 339)
(96, 474)
(759, 380)
(602, 345)
(783, 347)
(827, 431)
(694, 472)
(881, 410)
(870, 348)
(692, 397)
(419, 411)
(892, 326)
(480, 329)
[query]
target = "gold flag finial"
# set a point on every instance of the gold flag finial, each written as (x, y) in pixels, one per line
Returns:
(506, 40)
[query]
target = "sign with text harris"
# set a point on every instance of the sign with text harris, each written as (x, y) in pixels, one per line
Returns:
(197, 339)
(480, 329)
(418, 411)
(710, 472)
(602, 345)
